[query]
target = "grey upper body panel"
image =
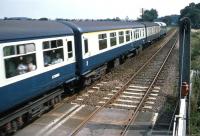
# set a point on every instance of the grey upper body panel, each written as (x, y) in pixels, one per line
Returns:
(16, 30)
(95, 26)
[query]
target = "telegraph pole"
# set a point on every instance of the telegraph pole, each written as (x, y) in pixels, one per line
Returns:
(142, 10)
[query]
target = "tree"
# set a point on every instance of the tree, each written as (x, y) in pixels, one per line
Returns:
(126, 18)
(167, 20)
(43, 19)
(149, 15)
(116, 19)
(193, 12)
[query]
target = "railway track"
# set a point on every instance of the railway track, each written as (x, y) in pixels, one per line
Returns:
(139, 88)
(139, 93)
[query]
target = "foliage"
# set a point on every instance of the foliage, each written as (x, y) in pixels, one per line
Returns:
(195, 103)
(195, 97)
(195, 56)
(43, 19)
(195, 123)
(193, 12)
(169, 20)
(149, 15)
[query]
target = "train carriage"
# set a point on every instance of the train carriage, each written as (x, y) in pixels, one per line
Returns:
(152, 31)
(163, 28)
(35, 56)
(100, 42)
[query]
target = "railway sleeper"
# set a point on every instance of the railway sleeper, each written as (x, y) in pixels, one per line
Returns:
(94, 75)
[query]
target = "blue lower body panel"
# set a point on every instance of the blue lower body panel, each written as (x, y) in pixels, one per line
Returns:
(22, 91)
(153, 37)
(95, 61)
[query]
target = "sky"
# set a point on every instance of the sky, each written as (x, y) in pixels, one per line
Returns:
(88, 9)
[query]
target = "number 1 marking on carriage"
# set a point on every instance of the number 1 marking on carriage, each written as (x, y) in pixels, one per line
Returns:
(56, 75)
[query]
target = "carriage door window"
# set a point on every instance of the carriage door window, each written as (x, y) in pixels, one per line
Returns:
(131, 35)
(86, 45)
(69, 49)
(143, 33)
(19, 59)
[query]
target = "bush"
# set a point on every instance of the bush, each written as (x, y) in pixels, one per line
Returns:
(195, 98)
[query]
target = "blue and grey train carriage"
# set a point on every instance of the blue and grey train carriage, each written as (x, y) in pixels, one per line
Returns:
(100, 44)
(152, 31)
(163, 28)
(35, 57)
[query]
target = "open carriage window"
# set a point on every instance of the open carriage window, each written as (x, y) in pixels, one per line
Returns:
(19, 59)
(53, 52)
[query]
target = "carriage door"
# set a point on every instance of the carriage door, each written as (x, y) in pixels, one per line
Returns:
(86, 52)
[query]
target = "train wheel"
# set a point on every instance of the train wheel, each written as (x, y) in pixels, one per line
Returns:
(122, 59)
(52, 102)
(59, 98)
(56, 100)
(2, 133)
(116, 62)
(14, 126)
(8, 128)
(140, 49)
(136, 51)
(20, 122)
(87, 81)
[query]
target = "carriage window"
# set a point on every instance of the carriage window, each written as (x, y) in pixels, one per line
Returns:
(150, 30)
(46, 45)
(113, 39)
(20, 49)
(137, 34)
(29, 48)
(134, 33)
(59, 43)
(53, 52)
(19, 59)
(86, 45)
(127, 36)
(69, 49)
(102, 41)
(52, 44)
(143, 33)
(10, 50)
(131, 35)
(121, 37)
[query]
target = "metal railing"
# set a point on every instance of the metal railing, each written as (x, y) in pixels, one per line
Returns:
(181, 121)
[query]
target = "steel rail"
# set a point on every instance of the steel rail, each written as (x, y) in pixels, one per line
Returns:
(141, 103)
(81, 125)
